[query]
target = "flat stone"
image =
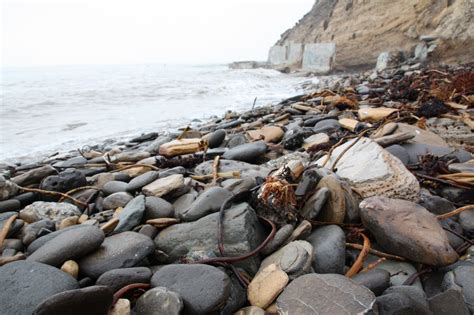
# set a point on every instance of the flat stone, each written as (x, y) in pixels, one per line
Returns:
(34, 176)
(71, 162)
(372, 171)
(407, 229)
(183, 202)
(118, 278)
(131, 156)
(204, 289)
(246, 170)
(163, 186)
(208, 202)
(376, 280)
(325, 294)
(159, 300)
(131, 215)
(448, 302)
(329, 243)
(294, 259)
(72, 244)
(26, 284)
(461, 167)
(399, 152)
(93, 300)
(123, 250)
(55, 211)
(267, 133)
(400, 271)
(116, 200)
(46, 236)
(247, 152)
(242, 234)
(416, 150)
(266, 286)
(10, 205)
(156, 207)
(461, 279)
(142, 180)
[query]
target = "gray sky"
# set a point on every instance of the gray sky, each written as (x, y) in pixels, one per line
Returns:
(143, 31)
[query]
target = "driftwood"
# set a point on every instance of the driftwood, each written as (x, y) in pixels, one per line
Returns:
(182, 146)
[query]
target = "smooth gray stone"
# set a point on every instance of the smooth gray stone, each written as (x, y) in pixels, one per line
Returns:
(466, 219)
(34, 176)
(64, 181)
(237, 296)
(327, 126)
(203, 288)
(154, 146)
(114, 186)
(325, 294)
(123, 250)
(403, 300)
(461, 167)
(435, 204)
(72, 162)
(9, 205)
(449, 302)
(242, 233)
(208, 202)
(462, 280)
(247, 152)
(294, 258)
(93, 300)
(149, 230)
(118, 278)
(156, 207)
(26, 284)
(40, 241)
(238, 185)
(236, 140)
(173, 171)
(376, 280)
(30, 232)
(72, 244)
(115, 200)
(400, 152)
(216, 138)
(329, 243)
(315, 203)
(142, 180)
(159, 300)
(417, 149)
(131, 215)
(278, 240)
(184, 202)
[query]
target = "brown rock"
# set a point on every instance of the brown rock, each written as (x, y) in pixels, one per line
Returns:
(404, 228)
(266, 286)
(267, 133)
(163, 186)
(71, 267)
(375, 114)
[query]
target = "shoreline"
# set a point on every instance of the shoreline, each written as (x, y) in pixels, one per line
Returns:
(333, 189)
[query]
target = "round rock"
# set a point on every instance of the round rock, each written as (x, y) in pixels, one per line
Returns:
(122, 250)
(156, 207)
(94, 300)
(72, 244)
(204, 289)
(118, 278)
(26, 284)
(118, 199)
(329, 243)
(159, 300)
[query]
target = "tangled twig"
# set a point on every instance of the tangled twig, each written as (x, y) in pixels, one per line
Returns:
(357, 266)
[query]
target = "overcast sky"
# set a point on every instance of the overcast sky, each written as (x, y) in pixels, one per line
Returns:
(41, 32)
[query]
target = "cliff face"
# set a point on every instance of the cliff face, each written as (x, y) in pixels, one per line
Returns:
(362, 29)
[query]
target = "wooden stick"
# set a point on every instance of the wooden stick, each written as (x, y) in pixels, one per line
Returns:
(376, 252)
(232, 174)
(136, 165)
(215, 170)
(53, 193)
(454, 212)
(6, 228)
(357, 266)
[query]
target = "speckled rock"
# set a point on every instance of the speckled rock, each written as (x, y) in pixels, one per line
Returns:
(56, 211)
(161, 301)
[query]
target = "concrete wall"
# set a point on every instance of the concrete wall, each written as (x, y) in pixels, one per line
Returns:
(319, 57)
(310, 57)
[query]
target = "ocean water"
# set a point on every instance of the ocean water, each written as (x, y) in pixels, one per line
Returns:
(49, 109)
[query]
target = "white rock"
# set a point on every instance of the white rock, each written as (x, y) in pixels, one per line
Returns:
(373, 171)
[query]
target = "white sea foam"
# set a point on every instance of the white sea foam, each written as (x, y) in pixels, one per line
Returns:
(45, 109)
